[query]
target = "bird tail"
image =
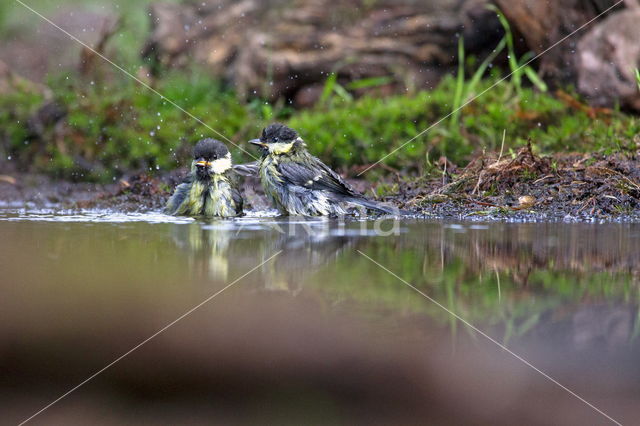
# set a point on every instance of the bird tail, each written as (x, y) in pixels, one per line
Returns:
(377, 206)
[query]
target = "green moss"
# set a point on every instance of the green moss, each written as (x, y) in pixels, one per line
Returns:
(15, 110)
(127, 127)
(118, 127)
(115, 126)
(364, 130)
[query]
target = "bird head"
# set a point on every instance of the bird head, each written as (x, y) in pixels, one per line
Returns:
(278, 139)
(210, 157)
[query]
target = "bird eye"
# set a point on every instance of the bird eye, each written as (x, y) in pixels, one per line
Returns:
(275, 139)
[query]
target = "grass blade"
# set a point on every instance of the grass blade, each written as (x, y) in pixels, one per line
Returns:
(329, 85)
(366, 83)
(457, 98)
(477, 76)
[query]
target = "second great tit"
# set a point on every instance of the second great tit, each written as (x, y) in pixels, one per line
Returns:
(299, 183)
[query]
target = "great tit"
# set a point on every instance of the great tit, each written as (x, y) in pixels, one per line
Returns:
(210, 190)
(299, 183)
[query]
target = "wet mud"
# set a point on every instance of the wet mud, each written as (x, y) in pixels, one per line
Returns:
(519, 186)
(580, 187)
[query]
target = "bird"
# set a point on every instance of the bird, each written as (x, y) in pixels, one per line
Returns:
(300, 184)
(210, 190)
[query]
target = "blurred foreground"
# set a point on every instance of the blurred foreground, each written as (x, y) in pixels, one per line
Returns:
(319, 334)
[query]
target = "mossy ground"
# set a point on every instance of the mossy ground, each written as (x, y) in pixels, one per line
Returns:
(118, 127)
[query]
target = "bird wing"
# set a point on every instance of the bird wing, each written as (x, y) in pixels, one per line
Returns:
(315, 175)
(247, 169)
(180, 194)
(237, 199)
(234, 179)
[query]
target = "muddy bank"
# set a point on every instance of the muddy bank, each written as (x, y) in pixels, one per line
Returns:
(520, 186)
(134, 193)
(526, 186)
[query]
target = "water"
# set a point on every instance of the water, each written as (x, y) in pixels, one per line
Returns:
(304, 326)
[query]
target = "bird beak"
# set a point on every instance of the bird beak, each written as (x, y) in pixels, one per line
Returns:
(258, 142)
(203, 163)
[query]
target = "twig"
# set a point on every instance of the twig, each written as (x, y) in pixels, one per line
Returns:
(617, 173)
(586, 203)
(444, 172)
(477, 187)
(482, 203)
(8, 179)
(541, 179)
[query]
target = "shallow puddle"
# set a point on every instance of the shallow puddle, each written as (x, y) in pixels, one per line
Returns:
(317, 311)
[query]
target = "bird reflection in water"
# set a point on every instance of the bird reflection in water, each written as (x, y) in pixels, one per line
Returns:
(208, 248)
(305, 246)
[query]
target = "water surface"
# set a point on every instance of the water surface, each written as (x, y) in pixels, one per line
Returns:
(319, 331)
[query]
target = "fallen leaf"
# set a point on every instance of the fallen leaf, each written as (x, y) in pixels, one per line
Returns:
(526, 202)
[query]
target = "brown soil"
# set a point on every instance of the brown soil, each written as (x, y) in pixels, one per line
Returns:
(527, 186)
